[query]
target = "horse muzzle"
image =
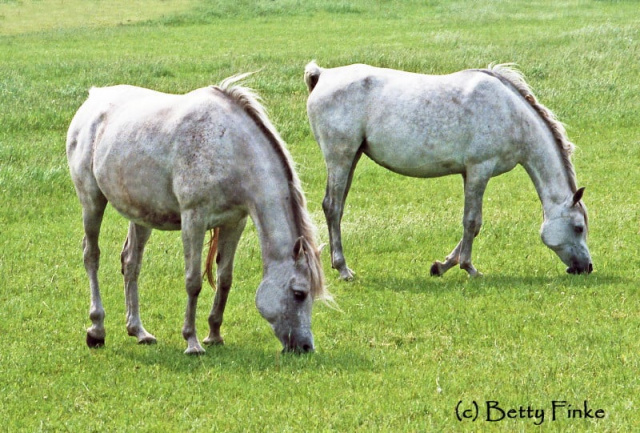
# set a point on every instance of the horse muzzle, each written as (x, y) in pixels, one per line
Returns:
(302, 343)
(576, 268)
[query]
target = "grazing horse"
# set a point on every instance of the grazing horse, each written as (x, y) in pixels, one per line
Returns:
(194, 162)
(477, 123)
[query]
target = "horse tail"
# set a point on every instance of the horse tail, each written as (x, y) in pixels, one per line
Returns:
(509, 74)
(311, 75)
(213, 249)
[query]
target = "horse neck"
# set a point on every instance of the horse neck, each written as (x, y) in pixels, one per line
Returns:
(545, 166)
(273, 215)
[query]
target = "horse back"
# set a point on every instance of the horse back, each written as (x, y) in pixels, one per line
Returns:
(414, 124)
(153, 154)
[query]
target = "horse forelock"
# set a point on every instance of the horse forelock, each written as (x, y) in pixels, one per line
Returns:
(316, 273)
(249, 101)
(508, 72)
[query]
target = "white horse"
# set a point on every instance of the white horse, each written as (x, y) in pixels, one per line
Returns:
(193, 162)
(477, 123)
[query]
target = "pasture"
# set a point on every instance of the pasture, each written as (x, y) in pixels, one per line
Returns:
(405, 348)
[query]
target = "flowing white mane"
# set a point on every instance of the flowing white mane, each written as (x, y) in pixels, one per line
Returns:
(508, 72)
(250, 103)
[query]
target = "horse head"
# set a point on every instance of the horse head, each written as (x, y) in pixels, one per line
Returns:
(564, 230)
(285, 298)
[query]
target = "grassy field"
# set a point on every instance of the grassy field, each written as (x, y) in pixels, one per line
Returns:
(406, 348)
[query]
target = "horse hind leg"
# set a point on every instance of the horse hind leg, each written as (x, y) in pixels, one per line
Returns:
(340, 169)
(131, 258)
(227, 245)
(92, 213)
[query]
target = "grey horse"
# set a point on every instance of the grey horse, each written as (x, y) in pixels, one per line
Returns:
(477, 123)
(206, 159)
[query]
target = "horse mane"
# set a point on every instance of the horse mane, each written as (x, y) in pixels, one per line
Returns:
(249, 101)
(512, 76)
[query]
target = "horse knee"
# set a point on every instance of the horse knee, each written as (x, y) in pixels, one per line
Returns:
(125, 263)
(327, 207)
(473, 225)
(193, 285)
(224, 282)
(130, 265)
(91, 257)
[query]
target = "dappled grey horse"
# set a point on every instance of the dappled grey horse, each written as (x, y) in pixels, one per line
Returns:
(193, 162)
(477, 123)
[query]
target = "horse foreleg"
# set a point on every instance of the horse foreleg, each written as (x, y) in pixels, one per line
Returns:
(439, 268)
(193, 231)
(131, 258)
(471, 230)
(475, 183)
(339, 177)
(227, 244)
(92, 219)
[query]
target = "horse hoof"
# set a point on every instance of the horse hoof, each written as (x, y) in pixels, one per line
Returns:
(214, 341)
(194, 350)
(94, 342)
(435, 270)
(147, 340)
(347, 275)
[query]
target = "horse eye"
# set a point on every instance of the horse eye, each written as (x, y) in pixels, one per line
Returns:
(578, 229)
(299, 295)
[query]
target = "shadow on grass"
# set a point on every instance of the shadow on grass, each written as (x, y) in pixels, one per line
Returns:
(259, 354)
(234, 358)
(439, 285)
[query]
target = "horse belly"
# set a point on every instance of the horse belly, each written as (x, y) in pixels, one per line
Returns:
(146, 204)
(148, 214)
(414, 156)
(138, 185)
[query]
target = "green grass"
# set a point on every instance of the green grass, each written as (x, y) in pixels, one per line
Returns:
(30, 16)
(406, 348)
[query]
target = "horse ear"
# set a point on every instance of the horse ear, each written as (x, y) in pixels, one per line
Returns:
(298, 249)
(578, 196)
